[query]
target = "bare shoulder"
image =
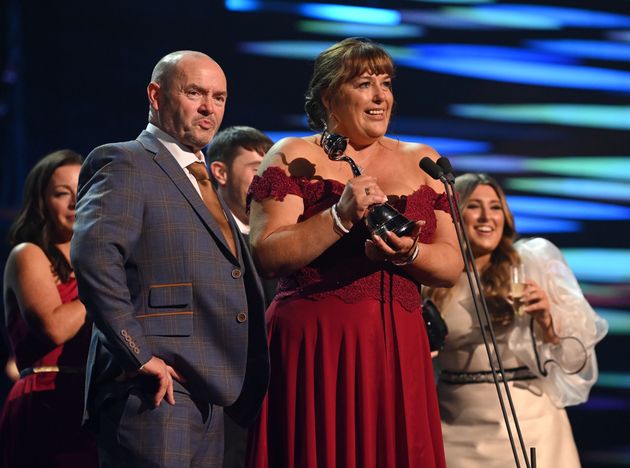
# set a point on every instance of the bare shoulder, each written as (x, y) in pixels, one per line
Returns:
(28, 251)
(26, 258)
(28, 255)
(296, 156)
(417, 151)
(411, 154)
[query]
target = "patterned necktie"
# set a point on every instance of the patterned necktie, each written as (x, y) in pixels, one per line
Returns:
(209, 196)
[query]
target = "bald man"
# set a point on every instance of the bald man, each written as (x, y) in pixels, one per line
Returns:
(165, 275)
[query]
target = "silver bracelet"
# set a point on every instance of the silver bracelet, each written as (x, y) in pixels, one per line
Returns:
(410, 259)
(339, 227)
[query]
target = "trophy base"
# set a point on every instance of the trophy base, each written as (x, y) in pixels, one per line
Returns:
(398, 224)
(404, 229)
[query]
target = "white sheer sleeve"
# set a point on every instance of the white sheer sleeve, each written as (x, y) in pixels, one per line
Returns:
(567, 370)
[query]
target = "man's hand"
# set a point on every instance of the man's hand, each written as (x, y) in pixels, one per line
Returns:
(164, 374)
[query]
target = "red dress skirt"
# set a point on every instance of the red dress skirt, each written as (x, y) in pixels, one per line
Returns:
(40, 424)
(351, 374)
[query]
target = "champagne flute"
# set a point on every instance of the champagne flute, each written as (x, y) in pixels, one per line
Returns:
(517, 287)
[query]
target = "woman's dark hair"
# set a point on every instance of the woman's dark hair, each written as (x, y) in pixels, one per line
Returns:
(32, 223)
(496, 276)
(339, 64)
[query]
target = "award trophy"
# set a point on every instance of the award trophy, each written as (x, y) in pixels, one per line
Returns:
(381, 218)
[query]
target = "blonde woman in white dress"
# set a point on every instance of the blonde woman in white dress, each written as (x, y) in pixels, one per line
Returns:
(547, 350)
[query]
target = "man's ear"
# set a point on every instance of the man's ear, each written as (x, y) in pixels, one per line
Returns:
(153, 91)
(219, 172)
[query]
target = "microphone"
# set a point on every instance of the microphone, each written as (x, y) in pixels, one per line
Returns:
(443, 171)
(445, 164)
(431, 168)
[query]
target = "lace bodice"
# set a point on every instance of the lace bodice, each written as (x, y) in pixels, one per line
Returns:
(343, 270)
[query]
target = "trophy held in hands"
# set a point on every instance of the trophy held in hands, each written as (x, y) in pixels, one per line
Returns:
(381, 218)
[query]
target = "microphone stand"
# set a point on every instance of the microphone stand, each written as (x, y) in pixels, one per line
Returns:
(442, 171)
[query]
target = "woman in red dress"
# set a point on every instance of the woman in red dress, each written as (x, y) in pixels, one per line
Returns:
(351, 381)
(40, 424)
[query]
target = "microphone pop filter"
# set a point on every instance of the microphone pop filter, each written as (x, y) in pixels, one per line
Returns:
(430, 167)
(445, 164)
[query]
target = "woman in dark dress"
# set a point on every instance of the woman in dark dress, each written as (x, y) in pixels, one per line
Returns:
(40, 424)
(352, 381)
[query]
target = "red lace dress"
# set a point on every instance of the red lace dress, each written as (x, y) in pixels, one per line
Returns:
(40, 425)
(351, 374)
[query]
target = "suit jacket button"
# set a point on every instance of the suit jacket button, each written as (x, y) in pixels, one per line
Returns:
(236, 273)
(241, 317)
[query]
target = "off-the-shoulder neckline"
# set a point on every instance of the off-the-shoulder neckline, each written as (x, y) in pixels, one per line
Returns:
(341, 185)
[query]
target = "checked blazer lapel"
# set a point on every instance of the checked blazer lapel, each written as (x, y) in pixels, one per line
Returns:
(169, 165)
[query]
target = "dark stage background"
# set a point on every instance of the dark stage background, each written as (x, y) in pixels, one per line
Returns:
(537, 93)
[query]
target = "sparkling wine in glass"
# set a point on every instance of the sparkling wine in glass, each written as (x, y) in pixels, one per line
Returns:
(517, 287)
